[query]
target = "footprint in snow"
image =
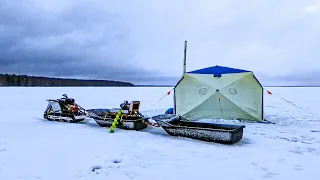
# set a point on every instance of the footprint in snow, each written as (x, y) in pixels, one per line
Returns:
(315, 130)
(2, 150)
(281, 160)
(296, 150)
(269, 175)
(298, 168)
(96, 169)
(116, 161)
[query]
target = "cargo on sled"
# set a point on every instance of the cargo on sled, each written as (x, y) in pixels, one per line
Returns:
(130, 117)
(176, 125)
(64, 109)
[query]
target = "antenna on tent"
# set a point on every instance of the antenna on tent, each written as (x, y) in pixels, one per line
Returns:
(185, 57)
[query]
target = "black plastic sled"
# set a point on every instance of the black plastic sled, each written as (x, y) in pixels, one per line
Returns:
(179, 126)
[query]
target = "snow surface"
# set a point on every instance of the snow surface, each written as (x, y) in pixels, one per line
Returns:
(33, 148)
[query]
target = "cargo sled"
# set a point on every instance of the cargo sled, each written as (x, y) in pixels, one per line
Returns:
(64, 109)
(131, 118)
(179, 126)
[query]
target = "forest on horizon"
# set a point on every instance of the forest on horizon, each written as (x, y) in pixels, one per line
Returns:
(25, 80)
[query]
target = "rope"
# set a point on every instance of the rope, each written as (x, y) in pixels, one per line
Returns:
(220, 103)
(152, 124)
(294, 104)
(168, 93)
(159, 100)
(156, 124)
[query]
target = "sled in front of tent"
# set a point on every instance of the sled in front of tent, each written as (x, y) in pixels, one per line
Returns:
(211, 132)
(130, 117)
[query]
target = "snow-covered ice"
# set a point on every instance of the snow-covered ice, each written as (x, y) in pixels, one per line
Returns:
(33, 148)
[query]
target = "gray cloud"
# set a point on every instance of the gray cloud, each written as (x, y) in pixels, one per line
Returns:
(295, 78)
(82, 41)
(142, 41)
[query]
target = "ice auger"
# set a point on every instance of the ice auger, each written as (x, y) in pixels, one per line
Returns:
(115, 121)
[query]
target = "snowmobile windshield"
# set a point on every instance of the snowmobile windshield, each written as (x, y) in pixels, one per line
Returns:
(55, 107)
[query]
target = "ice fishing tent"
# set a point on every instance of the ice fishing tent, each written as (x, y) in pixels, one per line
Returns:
(219, 92)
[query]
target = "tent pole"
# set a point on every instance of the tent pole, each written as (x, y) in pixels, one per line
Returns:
(185, 57)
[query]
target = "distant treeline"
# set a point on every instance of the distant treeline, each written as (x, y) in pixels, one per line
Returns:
(24, 80)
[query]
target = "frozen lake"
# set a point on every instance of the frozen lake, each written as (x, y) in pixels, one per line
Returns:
(33, 148)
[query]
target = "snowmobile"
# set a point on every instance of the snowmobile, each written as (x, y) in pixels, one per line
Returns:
(131, 118)
(64, 109)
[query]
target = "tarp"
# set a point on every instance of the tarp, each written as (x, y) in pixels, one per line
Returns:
(218, 70)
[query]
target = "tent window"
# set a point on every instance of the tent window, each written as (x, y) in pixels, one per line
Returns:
(202, 91)
(233, 91)
(216, 75)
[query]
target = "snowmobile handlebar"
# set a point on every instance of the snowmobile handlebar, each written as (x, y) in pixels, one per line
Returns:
(52, 100)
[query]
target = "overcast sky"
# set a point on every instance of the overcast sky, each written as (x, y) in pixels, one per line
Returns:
(141, 41)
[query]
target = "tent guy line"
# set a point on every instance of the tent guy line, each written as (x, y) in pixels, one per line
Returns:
(269, 92)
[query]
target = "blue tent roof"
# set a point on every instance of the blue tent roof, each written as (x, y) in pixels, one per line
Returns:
(218, 70)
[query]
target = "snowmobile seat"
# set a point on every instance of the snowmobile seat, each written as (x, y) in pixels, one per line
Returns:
(64, 108)
(64, 103)
(68, 101)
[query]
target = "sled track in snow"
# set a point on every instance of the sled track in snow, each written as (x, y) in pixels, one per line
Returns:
(2, 149)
